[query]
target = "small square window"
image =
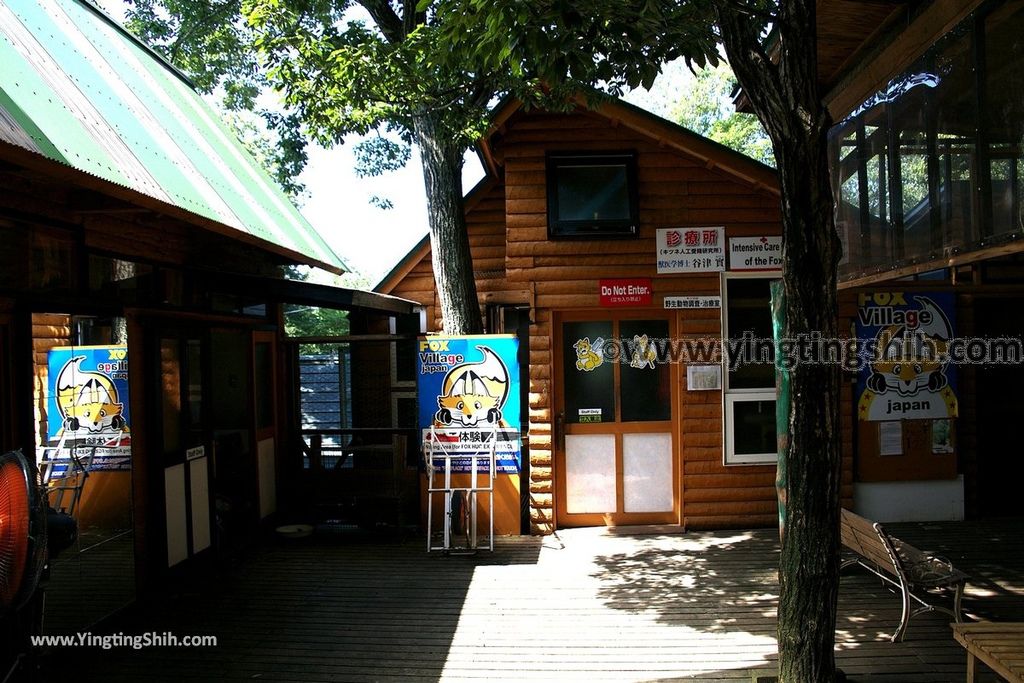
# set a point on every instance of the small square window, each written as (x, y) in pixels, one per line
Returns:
(592, 196)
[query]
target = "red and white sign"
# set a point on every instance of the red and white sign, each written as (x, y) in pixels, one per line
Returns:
(634, 291)
(690, 250)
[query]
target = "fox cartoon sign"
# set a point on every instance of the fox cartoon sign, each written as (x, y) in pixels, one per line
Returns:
(468, 393)
(87, 402)
(908, 375)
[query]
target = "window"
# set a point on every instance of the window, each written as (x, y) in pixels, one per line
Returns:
(592, 196)
(931, 163)
(749, 356)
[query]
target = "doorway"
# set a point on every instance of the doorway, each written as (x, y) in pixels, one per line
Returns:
(614, 451)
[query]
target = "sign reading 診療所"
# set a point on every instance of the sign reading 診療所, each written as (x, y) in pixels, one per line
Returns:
(468, 394)
(691, 250)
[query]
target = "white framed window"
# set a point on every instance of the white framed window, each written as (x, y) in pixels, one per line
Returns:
(748, 372)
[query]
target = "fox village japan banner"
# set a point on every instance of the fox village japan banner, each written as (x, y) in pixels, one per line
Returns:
(467, 395)
(906, 374)
(87, 405)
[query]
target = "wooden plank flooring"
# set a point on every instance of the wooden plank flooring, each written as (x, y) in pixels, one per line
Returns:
(582, 605)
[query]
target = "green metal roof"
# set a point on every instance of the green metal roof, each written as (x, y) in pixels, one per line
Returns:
(77, 89)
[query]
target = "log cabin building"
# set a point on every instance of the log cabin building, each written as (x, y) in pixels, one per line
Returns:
(926, 165)
(141, 257)
(614, 225)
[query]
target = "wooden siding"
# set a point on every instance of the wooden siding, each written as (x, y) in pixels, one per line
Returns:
(48, 330)
(509, 221)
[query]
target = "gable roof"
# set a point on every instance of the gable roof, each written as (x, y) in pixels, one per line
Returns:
(671, 135)
(77, 89)
(668, 134)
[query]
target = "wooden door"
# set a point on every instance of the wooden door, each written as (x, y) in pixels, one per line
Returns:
(180, 389)
(615, 458)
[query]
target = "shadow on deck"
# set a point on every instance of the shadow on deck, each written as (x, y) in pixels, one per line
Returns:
(585, 605)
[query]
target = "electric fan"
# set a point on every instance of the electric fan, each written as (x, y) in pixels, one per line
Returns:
(22, 532)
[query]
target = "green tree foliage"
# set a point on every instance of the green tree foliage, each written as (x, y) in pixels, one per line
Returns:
(772, 48)
(343, 68)
(209, 41)
(706, 107)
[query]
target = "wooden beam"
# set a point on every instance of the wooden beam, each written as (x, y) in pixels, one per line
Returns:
(1014, 247)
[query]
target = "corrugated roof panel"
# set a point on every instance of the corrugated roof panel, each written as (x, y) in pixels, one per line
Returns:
(245, 186)
(136, 123)
(251, 178)
(13, 128)
(147, 138)
(59, 133)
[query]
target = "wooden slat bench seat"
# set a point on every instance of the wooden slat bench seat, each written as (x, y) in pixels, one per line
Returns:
(1000, 646)
(917, 576)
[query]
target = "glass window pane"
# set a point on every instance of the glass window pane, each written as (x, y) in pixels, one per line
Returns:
(593, 192)
(753, 427)
(589, 379)
(647, 472)
(645, 387)
(590, 473)
(749, 319)
(1004, 106)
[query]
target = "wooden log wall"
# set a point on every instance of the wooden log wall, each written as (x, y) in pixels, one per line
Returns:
(48, 330)
(675, 190)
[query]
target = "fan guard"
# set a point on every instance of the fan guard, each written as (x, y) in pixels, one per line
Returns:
(22, 531)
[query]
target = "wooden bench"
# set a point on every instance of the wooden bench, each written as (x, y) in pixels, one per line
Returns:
(1000, 646)
(918, 576)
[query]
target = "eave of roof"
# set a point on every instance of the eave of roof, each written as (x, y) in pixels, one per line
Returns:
(422, 248)
(77, 90)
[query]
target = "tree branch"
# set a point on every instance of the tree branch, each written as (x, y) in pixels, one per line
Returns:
(411, 17)
(387, 21)
(754, 69)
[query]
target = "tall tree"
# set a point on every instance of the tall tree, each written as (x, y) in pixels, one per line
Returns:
(344, 67)
(772, 47)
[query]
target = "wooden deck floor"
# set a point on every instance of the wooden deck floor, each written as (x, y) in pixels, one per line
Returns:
(585, 605)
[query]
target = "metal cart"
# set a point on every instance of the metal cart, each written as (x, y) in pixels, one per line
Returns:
(460, 502)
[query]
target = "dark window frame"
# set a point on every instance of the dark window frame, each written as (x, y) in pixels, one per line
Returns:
(611, 228)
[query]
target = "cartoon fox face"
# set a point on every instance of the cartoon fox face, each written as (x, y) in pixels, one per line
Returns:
(909, 363)
(906, 374)
(588, 356)
(469, 409)
(87, 400)
(473, 393)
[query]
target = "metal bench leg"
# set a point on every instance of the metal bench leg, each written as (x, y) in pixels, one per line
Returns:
(957, 599)
(905, 620)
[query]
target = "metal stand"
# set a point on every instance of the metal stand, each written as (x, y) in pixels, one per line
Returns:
(64, 476)
(435, 452)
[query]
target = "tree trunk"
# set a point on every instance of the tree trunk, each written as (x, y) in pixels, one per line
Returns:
(785, 97)
(449, 240)
(809, 565)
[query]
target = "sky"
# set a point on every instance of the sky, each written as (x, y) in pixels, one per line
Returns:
(372, 240)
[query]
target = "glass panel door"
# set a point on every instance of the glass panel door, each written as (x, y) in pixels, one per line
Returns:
(614, 453)
(647, 472)
(590, 473)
